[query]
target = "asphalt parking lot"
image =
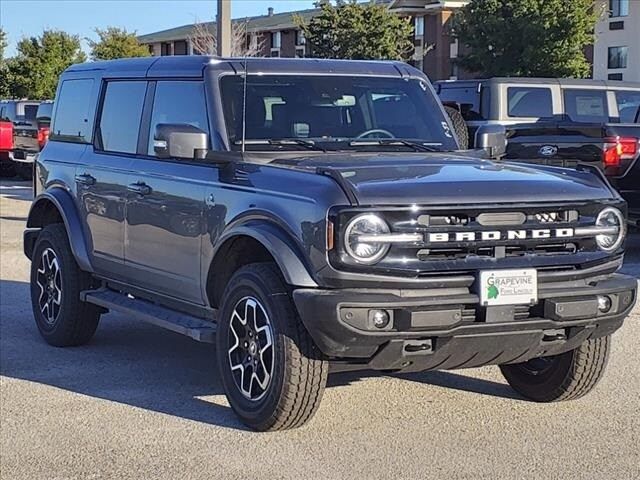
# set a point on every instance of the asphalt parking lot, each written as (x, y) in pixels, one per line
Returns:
(140, 402)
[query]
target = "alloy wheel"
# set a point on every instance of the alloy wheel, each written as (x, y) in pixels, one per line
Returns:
(49, 280)
(251, 352)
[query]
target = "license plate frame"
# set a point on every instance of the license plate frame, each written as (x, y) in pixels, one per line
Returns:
(517, 286)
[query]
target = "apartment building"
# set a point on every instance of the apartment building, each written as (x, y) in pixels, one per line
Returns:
(616, 52)
(278, 35)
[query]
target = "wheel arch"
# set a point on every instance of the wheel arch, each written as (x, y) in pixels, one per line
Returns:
(259, 241)
(57, 206)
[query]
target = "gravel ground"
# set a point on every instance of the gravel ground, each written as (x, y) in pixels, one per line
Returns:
(140, 402)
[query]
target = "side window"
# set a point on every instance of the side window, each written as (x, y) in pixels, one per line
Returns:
(120, 118)
(181, 102)
(628, 105)
(586, 106)
(71, 122)
(529, 102)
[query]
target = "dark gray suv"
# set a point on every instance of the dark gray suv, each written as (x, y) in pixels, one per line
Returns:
(307, 215)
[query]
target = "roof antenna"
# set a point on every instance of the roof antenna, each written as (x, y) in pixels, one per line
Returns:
(244, 106)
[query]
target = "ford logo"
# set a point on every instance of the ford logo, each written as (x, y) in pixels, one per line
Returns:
(548, 151)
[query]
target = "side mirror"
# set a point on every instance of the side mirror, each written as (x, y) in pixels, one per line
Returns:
(177, 140)
(492, 139)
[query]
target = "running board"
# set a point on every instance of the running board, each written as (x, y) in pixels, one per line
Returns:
(185, 324)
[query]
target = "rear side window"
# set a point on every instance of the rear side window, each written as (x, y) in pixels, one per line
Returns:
(180, 102)
(119, 124)
(628, 105)
(468, 96)
(529, 102)
(586, 106)
(71, 123)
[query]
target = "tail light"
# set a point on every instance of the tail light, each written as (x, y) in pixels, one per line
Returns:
(619, 149)
(43, 136)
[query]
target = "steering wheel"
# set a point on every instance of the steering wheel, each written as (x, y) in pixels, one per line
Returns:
(386, 133)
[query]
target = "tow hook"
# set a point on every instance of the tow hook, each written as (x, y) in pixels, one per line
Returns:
(550, 336)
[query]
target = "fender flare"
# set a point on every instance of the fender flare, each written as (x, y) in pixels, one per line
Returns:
(279, 244)
(66, 207)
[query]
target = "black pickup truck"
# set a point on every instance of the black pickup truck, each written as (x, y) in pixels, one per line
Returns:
(308, 215)
(562, 122)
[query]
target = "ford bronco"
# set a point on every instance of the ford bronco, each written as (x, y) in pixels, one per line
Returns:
(308, 215)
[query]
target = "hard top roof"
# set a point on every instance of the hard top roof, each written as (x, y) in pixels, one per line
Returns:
(564, 82)
(194, 66)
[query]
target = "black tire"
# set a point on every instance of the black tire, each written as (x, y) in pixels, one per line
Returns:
(65, 320)
(460, 127)
(7, 167)
(566, 376)
(298, 370)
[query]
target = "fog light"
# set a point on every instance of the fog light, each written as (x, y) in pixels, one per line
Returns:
(604, 303)
(380, 318)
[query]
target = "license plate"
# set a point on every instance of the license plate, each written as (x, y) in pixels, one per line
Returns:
(508, 287)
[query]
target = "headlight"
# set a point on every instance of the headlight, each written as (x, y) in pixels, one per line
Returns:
(368, 252)
(612, 219)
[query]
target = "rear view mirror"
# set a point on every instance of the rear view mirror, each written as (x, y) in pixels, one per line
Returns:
(492, 139)
(176, 140)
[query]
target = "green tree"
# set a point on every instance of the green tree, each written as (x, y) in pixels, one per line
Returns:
(357, 31)
(543, 38)
(116, 42)
(34, 71)
(5, 83)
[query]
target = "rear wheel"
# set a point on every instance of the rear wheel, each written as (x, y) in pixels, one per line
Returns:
(273, 374)
(24, 170)
(56, 282)
(566, 376)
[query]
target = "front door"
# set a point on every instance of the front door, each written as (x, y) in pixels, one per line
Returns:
(165, 207)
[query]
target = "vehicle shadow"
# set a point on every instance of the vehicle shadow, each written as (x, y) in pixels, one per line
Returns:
(146, 367)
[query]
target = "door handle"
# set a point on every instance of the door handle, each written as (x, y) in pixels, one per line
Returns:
(140, 188)
(85, 179)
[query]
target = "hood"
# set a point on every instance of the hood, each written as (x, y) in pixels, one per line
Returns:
(441, 179)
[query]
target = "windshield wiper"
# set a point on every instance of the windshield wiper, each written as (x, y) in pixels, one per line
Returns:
(308, 144)
(417, 146)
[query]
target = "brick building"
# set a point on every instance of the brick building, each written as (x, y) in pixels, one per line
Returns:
(279, 36)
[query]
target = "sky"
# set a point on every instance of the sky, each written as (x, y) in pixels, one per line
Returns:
(20, 18)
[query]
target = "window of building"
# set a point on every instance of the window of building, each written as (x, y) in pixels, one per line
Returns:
(618, 8)
(300, 52)
(191, 109)
(615, 76)
(617, 57)
(166, 49)
(300, 38)
(71, 122)
(276, 39)
(418, 26)
(119, 124)
(180, 47)
(533, 102)
(628, 105)
(586, 106)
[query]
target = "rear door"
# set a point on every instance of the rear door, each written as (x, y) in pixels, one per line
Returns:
(103, 174)
(165, 205)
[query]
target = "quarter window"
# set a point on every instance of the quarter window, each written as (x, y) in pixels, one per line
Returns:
(71, 122)
(628, 105)
(179, 103)
(533, 102)
(586, 106)
(120, 118)
(617, 57)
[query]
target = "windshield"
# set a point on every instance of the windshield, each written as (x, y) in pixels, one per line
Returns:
(334, 112)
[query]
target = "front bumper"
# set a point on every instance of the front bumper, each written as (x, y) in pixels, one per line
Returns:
(448, 329)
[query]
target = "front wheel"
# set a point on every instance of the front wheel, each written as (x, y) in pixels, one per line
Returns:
(567, 376)
(273, 374)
